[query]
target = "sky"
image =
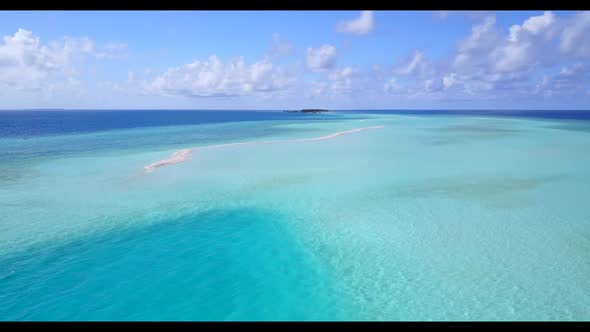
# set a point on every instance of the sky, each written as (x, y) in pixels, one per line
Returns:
(287, 60)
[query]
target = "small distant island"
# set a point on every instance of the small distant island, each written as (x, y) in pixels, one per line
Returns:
(312, 110)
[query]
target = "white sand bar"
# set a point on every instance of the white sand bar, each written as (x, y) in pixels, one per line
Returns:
(185, 154)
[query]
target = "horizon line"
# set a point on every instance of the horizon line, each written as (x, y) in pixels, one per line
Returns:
(277, 109)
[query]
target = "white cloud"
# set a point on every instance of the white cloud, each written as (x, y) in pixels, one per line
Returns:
(481, 34)
(280, 47)
(574, 37)
(321, 58)
(536, 24)
(493, 63)
(342, 80)
(449, 80)
(532, 26)
(392, 86)
(571, 80)
(358, 26)
(24, 61)
(339, 82)
(211, 78)
(486, 61)
(417, 65)
(511, 57)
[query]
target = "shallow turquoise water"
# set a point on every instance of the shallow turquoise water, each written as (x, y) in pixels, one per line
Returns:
(428, 218)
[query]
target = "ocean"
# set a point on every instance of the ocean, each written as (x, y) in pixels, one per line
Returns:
(267, 215)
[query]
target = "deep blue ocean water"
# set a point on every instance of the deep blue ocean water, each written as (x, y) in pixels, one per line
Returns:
(24, 124)
(38, 123)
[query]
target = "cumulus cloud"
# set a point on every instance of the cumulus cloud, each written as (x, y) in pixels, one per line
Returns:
(359, 26)
(24, 61)
(280, 47)
(491, 62)
(27, 63)
(487, 61)
(505, 64)
(478, 45)
(321, 58)
(449, 80)
(213, 78)
(533, 25)
(392, 86)
(416, 65)
(543, 55)
(574, 37)
(342, 81)
(571, 80)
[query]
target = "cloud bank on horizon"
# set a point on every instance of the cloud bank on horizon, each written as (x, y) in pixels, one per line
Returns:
(347, 60)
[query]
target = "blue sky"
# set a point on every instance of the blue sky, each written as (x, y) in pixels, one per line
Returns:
(295, 59)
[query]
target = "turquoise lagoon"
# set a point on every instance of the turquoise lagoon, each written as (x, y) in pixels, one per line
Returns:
(428, 218)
